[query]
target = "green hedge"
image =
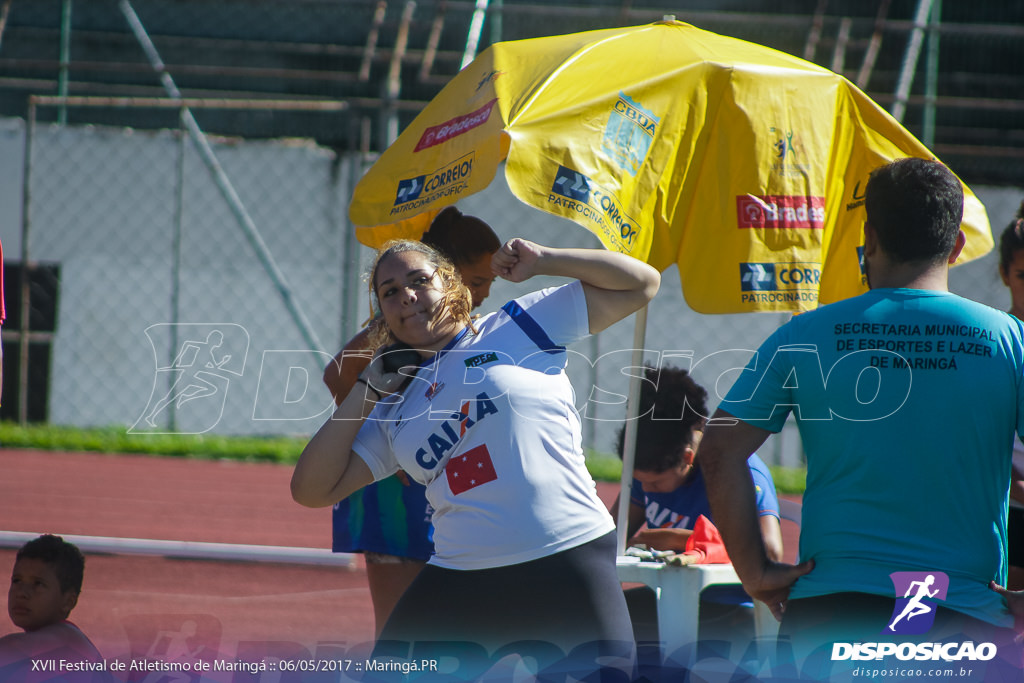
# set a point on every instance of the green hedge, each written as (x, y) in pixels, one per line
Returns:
(279, 449)
(118, 440)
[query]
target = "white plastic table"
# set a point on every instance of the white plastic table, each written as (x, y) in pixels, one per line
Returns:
(677, 590)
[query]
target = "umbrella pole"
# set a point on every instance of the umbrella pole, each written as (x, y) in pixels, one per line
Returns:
(629, 438)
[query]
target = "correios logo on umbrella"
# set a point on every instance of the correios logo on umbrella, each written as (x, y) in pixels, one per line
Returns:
(779, 281)
(576, 193)
(414, 193)
(757, 277)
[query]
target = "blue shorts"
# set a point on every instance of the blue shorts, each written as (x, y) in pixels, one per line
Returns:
(386, 517)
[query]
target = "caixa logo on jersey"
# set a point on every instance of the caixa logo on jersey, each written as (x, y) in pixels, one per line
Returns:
(452, 428)
(773, 277)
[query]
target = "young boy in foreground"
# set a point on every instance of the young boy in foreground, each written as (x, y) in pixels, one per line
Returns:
(45, 584)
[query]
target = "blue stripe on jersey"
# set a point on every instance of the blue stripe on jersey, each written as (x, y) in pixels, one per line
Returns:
(528, 325)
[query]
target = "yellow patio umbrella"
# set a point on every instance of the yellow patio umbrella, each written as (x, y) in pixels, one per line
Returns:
(742, 164)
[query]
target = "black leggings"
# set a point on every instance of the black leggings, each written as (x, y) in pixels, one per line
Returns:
(568, 599)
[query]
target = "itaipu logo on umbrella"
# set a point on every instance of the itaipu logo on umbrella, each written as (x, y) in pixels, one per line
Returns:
(917, 594)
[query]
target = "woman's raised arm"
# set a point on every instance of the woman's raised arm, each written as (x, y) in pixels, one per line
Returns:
(615, 284)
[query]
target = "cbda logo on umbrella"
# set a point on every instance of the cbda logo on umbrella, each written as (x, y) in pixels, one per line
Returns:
(627, 137)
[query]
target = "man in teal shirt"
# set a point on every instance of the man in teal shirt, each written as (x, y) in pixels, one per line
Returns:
(908, 399)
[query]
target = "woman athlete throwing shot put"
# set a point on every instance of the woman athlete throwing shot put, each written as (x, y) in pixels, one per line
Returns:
(524, 548)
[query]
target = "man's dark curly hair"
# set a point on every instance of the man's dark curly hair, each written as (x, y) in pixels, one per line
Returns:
(672, 407)
(916, 207)
(65, 558)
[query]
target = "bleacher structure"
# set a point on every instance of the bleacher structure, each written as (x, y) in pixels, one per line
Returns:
(950, 70)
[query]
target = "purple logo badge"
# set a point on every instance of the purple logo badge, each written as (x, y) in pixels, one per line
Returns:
(916, 596)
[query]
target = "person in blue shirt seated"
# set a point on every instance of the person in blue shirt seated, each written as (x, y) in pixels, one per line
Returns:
(668, 496)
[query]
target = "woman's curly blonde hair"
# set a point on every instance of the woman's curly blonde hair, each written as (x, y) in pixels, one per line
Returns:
(457, 300)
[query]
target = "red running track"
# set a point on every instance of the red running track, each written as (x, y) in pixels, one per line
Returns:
(127, 600)
(134, 607)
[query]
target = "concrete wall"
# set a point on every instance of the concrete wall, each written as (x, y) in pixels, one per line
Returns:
(105, 204)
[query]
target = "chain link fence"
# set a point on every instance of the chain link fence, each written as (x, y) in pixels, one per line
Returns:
(165, 315)
(156, 243)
